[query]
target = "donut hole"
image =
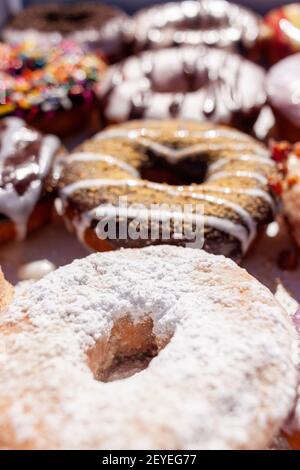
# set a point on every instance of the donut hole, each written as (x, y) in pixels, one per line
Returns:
(128, 350)
(188, 171)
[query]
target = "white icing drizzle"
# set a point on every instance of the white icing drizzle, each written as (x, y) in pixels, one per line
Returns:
(236, 230)
(16, 207)
(239, 174)
(221, 162)
(230, 228)
(173, 155)
(101, 157)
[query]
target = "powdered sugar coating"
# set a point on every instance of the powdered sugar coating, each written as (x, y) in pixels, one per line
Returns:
(232, 354)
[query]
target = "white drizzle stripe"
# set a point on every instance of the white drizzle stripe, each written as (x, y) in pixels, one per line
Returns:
(243, 214)
(239, 174)
(16, 207)
(101, 157)
(235, 230)
(254, 192)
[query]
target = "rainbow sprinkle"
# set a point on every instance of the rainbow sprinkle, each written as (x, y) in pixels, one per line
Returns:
(33, 79)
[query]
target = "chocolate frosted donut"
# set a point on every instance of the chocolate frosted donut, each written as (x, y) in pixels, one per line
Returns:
(283, 88)
(26, 186)
(99, 26)
(229, 170)
(201, 22)
(187, 83)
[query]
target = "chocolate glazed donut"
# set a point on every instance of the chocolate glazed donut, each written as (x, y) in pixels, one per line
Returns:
(203, 22)
(188, 83)
(218, 170)
(99, 26)
(26, 182)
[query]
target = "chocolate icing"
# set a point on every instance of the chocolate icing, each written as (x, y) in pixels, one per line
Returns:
(204, 22)
(26, 157)
(191, 83)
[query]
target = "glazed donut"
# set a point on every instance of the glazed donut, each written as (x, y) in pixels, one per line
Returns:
(100, 27)
(52, 89)
(187, 83)
(284, 97)
(282, 32)
(205, 349)
(230, 170)
(26, 183)
(218, 24)
(6, 292)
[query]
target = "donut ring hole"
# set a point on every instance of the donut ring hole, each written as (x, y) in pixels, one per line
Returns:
(129, 349)
(190, 170)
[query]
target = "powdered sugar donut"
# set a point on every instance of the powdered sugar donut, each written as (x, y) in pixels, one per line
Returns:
(5, 292)
(205, 349)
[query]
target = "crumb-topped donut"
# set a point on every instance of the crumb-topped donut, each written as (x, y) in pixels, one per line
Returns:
(52, 89)
(26, 186)
(197, 83)
(205, 349)
(230, 171)
(6, 292)
(100, 27)
(218, 24)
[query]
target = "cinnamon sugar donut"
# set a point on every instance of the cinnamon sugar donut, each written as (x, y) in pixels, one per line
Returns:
(219, 24)
(197, 83)
(26, 186)
(220, 169)
(6, 292)
(205, 349)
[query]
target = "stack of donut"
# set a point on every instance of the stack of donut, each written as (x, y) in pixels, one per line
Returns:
(179, 347)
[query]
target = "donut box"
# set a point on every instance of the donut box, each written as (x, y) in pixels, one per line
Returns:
(149, 226)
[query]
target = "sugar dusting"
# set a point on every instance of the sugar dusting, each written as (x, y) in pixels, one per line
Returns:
(232, 354)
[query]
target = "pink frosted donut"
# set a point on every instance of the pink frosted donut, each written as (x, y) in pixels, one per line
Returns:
(210, 358)
(197, 83)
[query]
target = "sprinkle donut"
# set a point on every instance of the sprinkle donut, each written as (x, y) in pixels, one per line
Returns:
(229, 170)
(102, 28)
(205, 349)
(198, 83)
(26, 181)
(218, 24)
